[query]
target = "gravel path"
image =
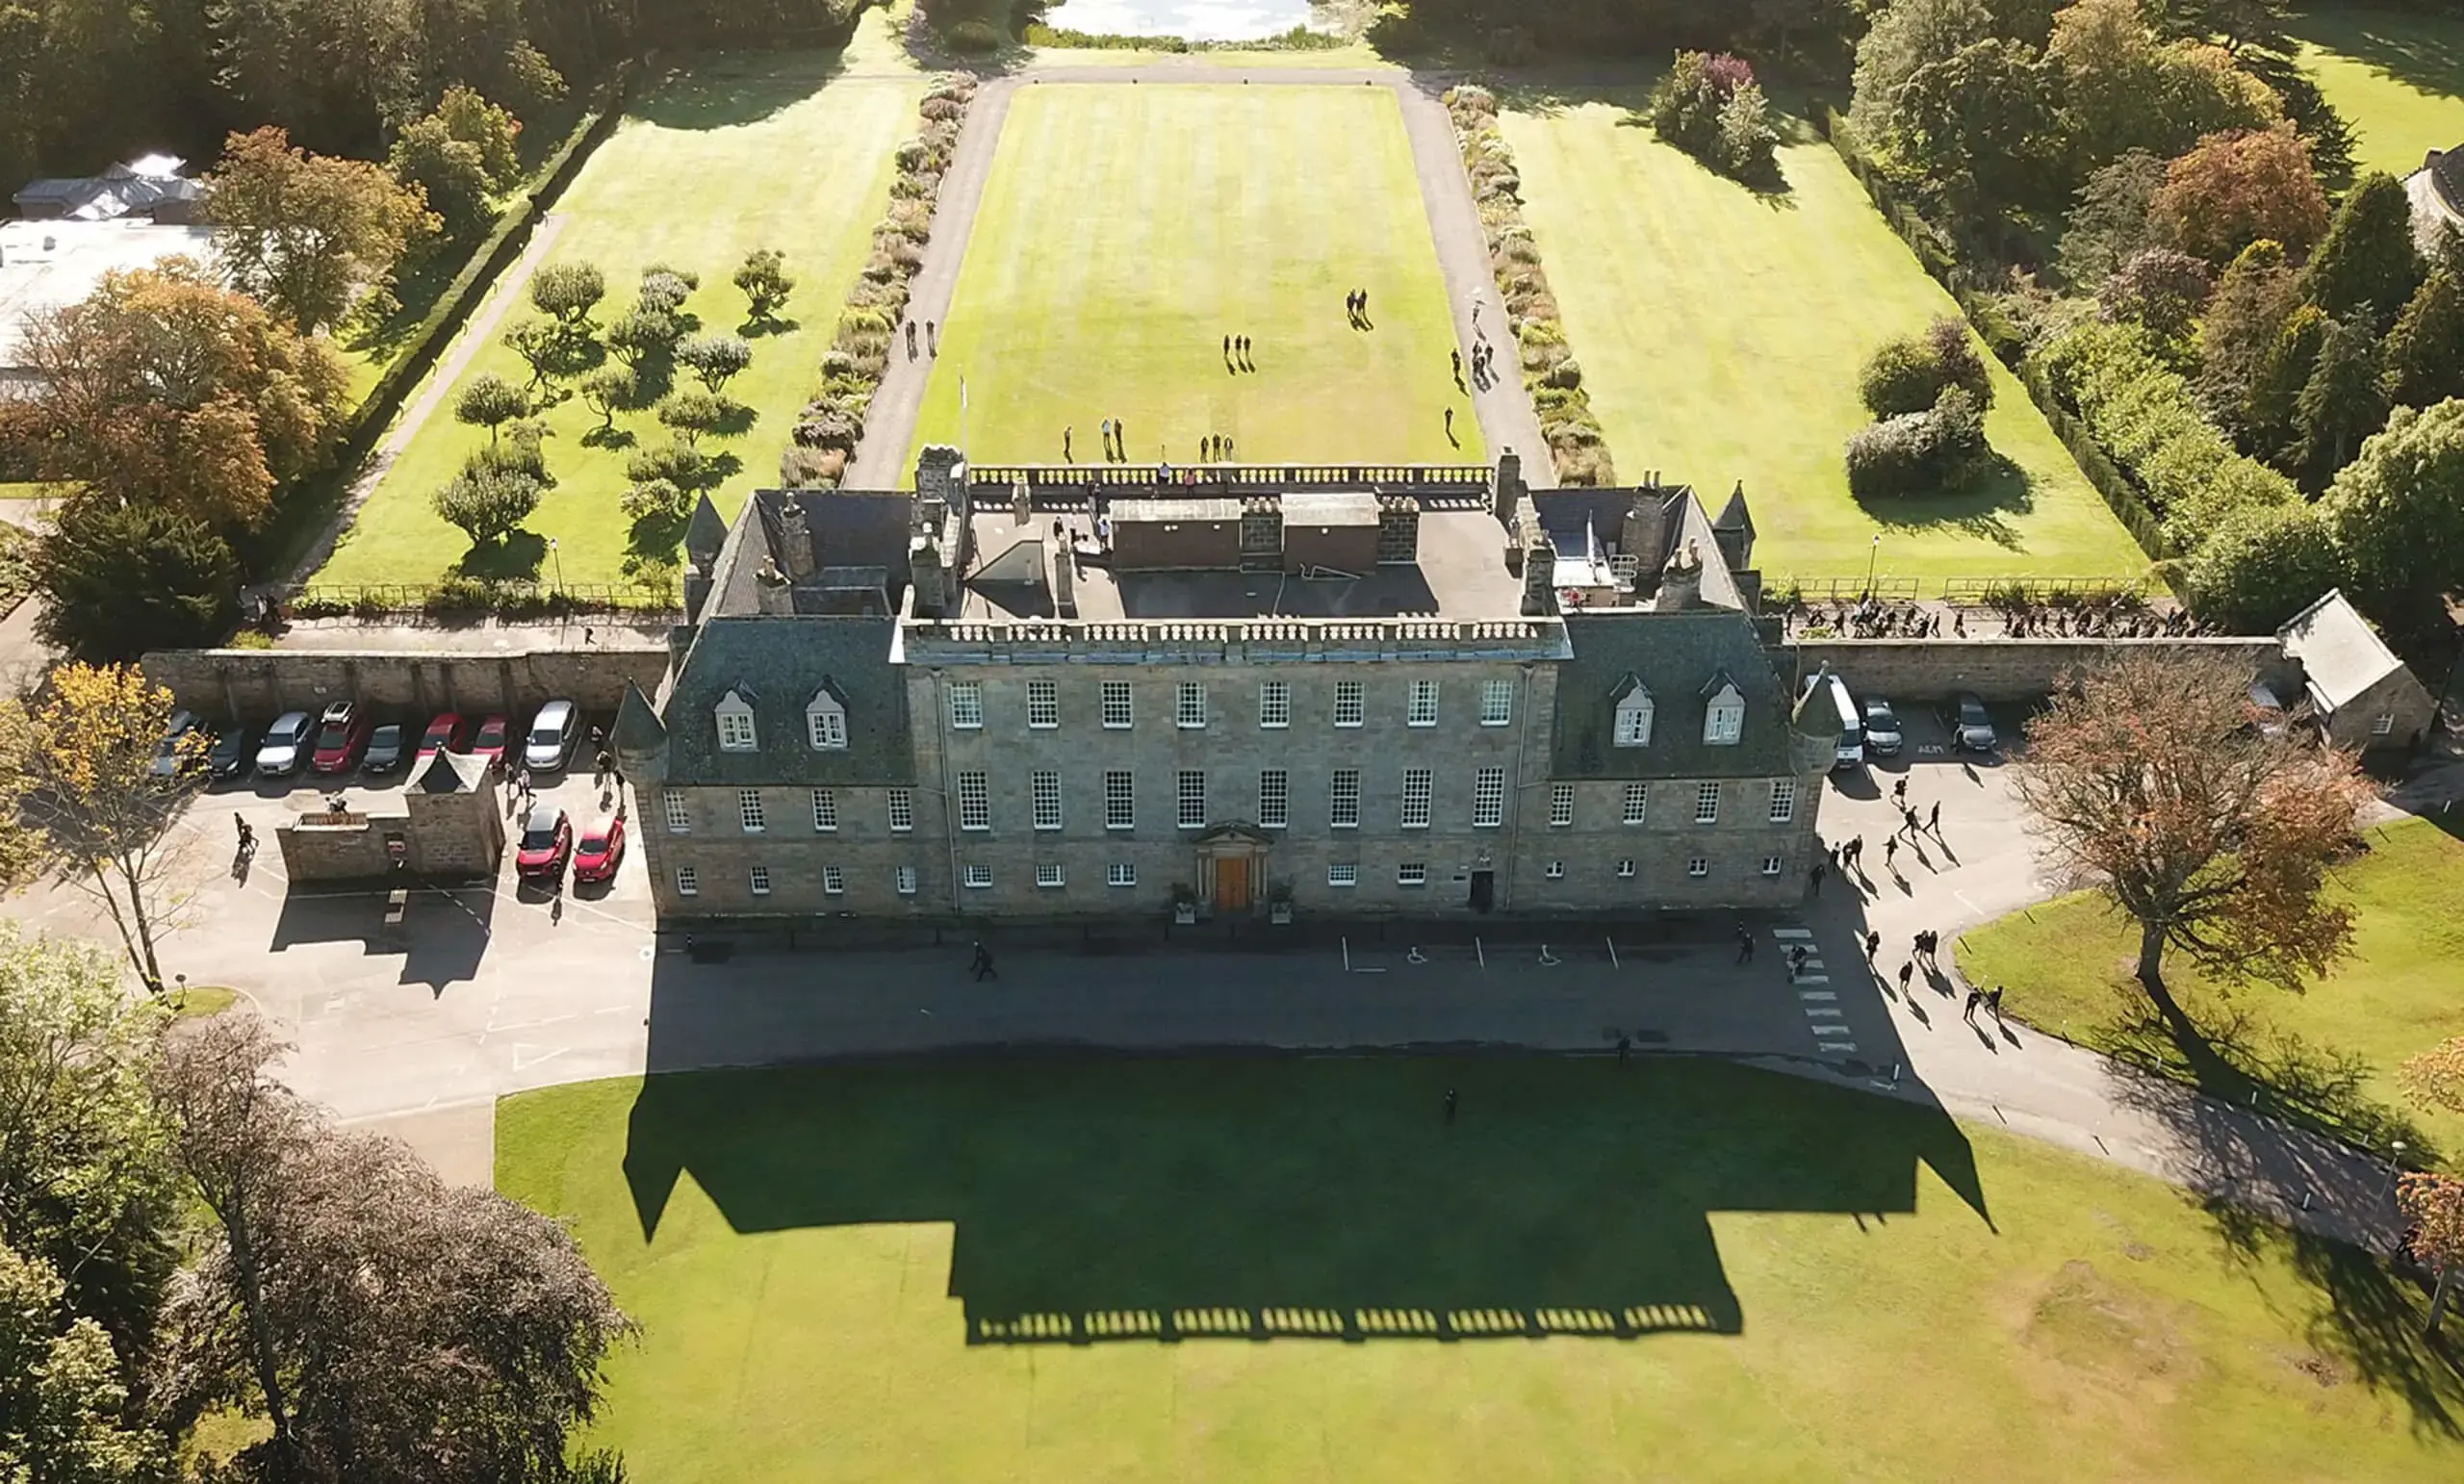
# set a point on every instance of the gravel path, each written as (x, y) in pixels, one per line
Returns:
(1507, 417)
(475, 335)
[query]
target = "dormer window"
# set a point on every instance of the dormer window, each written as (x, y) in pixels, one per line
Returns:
(1633, 715)
(1723, 720)
(825, 722)
(736, 725)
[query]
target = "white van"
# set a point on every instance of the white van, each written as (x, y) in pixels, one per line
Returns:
(1852, 723)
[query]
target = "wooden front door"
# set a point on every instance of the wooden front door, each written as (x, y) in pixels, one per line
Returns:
(1232, 884)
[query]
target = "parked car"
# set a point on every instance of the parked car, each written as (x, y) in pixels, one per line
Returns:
(167, 752)
(547, 840)
(1975, 729)
(549, 745)
(341, 735)
(448, 732)
(285, 748)
(1882, 728)
(600, 850)
(489, 743)
(232, 753)
(388, 745)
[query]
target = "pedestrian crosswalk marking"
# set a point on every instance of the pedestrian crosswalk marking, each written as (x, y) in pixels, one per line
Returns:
(1815, 995)
(1792, 932)
(1813, 979)
(1836, 1046)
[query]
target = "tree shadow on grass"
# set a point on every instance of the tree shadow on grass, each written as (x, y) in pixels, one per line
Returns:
(516, 557)
(1267, 1198)
(754, 329)
(1984, 510)
(610, 436)
(2421, 50)
(736, 419)
(655, 535)
(724, 89)
(2231, 1055)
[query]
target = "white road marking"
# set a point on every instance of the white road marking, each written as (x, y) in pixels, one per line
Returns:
(1836, 1046)
(1815, 995)
(1786, 933)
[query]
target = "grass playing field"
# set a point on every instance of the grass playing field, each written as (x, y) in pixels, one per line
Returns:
(2398, 76)
(2069, 963)
(772, 152)
(1126, 230)
(1721, 333)
(962, 1271)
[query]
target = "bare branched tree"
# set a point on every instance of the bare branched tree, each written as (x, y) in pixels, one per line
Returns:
(398, 1331)
(2151, 781)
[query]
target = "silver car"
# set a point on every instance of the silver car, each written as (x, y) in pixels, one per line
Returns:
(284, 751)
(550, 742)
(1975, 729)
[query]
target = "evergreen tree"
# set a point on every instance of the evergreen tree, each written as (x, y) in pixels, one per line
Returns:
(2342, 403)
(2426, 350)
(119, 579)
(2368, 257)
(2257, 293)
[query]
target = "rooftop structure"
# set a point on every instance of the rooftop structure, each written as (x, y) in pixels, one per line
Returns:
(45, 265)
(150, 185)
(2437, 191)
(2360, 693)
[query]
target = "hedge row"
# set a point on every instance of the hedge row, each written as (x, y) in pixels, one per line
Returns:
(1576, 445)
(833, 423)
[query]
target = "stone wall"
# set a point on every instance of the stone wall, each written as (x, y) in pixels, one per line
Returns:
(2004, 670)
(259, 684)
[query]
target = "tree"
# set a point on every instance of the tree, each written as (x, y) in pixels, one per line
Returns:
(163, 389)
(2342, 403)
(451, 175)
(2367, 258)
(2234, 190)
(1907, 375)
(665, 290)
(60, 1393)
(2161, 288)
(394, 1330)
(608, 391)
(2257, 568)
(2148, 783)
(490, 401)
(2244, 314)
(2126, 90)
(678, 462)
(305, 235)
(104, 809)
(491, 130)
(1905, 36)
(541, 345)
(1710, 107)
(691, 414)
(118, 581)
(642, 335)
(2425, 349)
(2272, 414)
(2239, 24)
(2115, 218)
(2437, 1075)
(488, 504)
(765, 284)
(568, 291)
(2398, 510)
(2434, 1205)
(2326, 132)
(85, 1183)
(1981, 125)
(715, 359)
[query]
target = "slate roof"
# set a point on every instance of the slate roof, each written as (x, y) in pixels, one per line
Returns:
(1734, 516)
(451, 773)
(1675, 656)
(638, 732)
(775, 665)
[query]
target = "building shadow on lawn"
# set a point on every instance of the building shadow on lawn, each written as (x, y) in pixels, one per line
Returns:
(1279, 1197)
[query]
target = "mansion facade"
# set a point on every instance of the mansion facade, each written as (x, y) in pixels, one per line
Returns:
(1050, 691)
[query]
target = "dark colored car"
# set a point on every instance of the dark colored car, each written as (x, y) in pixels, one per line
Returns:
(547, 840)
(388, 746)
(1882, 728)
(1975, 729)
(448, 732)
(489, 743)
(341, 735)
(233, 751)
(600, 850)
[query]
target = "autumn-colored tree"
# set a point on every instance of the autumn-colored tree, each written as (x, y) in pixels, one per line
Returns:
(104, 808)
(2148, 783)
(2437, 1075)
(2434, 1205)
(307, 235)
(394, 1330)
(162, 388)
(2123, 88)
(2236, 189)
(2160, 288)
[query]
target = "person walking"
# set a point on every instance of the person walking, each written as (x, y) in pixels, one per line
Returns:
(1449, 425)
(1450, 1104)
(1994, 1000)
(1873, 945)
(1890, 848)
(1817, 875)
(1107, 430)
(1857, 853)
(1934, 820)
(982, 962)
(1744, 944)
(1907, 822)
(601, 766)
(1227, 347)
(910, 340)
(1456, 357)
(1907, 972)
(932, 339)
(1796, 962)
(1968, 1012)
(1899, 793)
(522, 784)
(1066, 456)
(247, 836)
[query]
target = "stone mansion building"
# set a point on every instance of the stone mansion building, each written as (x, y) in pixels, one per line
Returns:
(1059, 691)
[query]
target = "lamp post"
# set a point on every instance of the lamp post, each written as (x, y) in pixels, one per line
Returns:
(1873, 554)
(2395, 1167)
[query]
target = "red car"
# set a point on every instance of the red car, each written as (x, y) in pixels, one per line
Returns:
(489, 743)
(547, 841)
(447, 734)
(602, 850)
(341, 735)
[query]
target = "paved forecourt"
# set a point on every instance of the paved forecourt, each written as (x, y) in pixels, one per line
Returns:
(1126, 229)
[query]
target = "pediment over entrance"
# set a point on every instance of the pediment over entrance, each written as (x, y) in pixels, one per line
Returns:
(1234, 832)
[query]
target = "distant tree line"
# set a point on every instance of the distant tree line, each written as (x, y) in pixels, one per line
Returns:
(86, 81)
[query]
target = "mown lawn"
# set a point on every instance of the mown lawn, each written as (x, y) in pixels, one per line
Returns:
(2068, 965)
(770, 151)
(1721, 332)
(2398, 76)
(1238, 1270)
(1125, 231)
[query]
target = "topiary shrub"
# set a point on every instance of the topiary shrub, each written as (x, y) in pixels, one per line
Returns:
(1907, 375)
(1927, 453)
(812, 469)
(1566, 374)
(829, 427)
